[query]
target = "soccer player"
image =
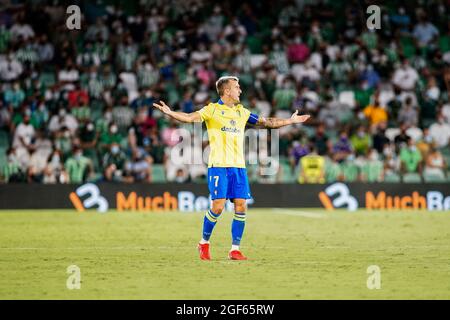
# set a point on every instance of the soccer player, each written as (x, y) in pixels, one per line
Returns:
(227, 177)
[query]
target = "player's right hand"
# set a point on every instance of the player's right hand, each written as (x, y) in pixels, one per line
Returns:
(163, 107)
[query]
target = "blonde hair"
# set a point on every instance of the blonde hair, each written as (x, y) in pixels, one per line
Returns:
(222, 82)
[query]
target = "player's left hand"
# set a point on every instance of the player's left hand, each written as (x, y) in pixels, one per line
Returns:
(299, 119)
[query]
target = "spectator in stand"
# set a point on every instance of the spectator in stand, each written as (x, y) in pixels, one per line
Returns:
(24, 134)
(425, 143)
(361, 141)
(402, 138)
(312, 168)
(320, 141)
(54, 171)
(139, 169)
(375, 113)
(284, 97)
(425, 33)
(410, 157)
(435, 164)
(405, 77)
(79, 168)
(109, 137)
(63, 120)
(408, 114)
(299, 150)
(342, 148)
(114, 163)
(440, 132)
(379, 139)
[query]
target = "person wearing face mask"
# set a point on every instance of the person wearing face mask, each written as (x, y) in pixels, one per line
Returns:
(114, 163)
(63, 141)
(88, 139)
(375, 112)
(109, 137)
(425, 143)
(62, 119)
(361, 141)
(24, 134)
(139, 169)
(54, 171)
(410, 158)
(78, 167)
(284, 97)
(342, 149)
(435, 164)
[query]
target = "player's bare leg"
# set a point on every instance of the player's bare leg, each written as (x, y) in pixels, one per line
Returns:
(209, 222)
(237, 229)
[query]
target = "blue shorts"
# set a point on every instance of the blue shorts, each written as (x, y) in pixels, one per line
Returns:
(228, 183)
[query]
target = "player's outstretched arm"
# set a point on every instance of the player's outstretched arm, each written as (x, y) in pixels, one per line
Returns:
(180, 116)
(274, 123)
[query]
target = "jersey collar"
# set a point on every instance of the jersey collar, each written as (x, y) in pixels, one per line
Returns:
(223, 104)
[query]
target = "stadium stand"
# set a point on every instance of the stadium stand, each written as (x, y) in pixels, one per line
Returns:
(66, 90)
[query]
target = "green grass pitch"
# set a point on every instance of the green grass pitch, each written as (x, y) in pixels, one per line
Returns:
(293, 254)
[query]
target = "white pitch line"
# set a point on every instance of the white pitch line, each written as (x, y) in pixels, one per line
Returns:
(123, 248)
(299, 213)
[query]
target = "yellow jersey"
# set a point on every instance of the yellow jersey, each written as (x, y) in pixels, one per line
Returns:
(226, 126)
(313, 167)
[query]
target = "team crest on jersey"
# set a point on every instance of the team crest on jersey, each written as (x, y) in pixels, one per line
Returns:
(233, 123)
(223, 112)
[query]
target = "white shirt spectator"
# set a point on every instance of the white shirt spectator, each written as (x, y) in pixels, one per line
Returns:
(301, 71)
(68, 75)
(38, 161)
(316, 61)
(201, 55)
(440, 131)
(10, 68)
(405, 77)
(24, 132)
(130, 83)
(446, 112)
(21, 30)
(66, 120)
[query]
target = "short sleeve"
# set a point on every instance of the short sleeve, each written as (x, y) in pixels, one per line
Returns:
(206, 112)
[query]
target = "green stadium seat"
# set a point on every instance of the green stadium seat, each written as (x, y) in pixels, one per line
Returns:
(96, 177)
(3, 157)
(372, 171)
(286, 175)
(158, 173)
(433, 178)
(407, 44)
(255, 44)
(412, 177)
(444, 43)
(350, 171)
(92, 154)
(4, 139)
(332, 171)
(392, 178)
(47, 79)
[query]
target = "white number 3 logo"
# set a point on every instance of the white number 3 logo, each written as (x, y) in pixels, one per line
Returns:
(94, 197)
(343, 196)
